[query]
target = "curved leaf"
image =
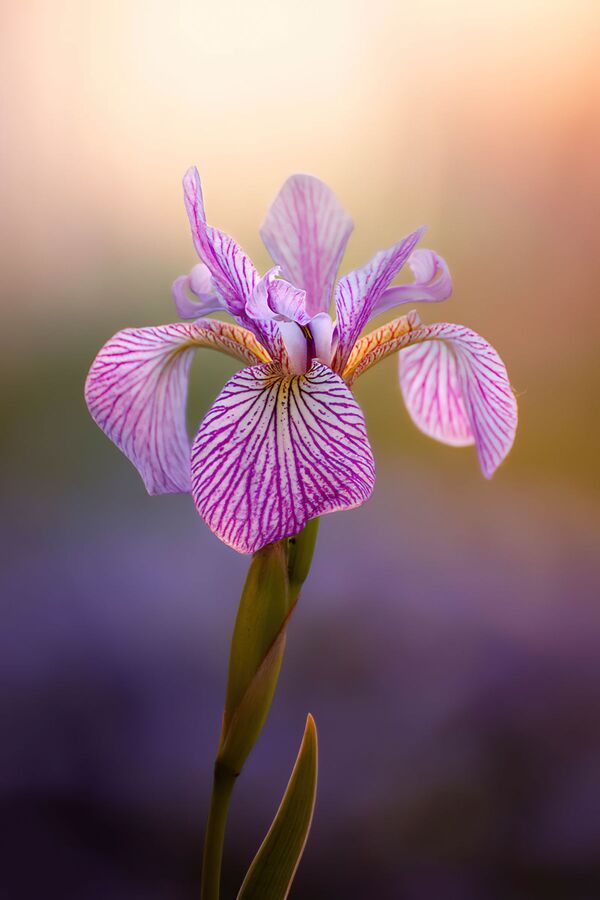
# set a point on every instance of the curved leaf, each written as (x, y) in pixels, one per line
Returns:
(273, 868)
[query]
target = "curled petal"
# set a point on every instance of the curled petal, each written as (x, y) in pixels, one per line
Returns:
(199, 283)
(136, 392)
(431, 285)
(306, 232)
(358, 293)
(231, 269)
(275, 451)
(273, 298)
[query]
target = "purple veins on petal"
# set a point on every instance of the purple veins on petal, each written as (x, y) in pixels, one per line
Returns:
(457, 391)
(232, 271)
(136, 391)
(306, 231)
(275, 451)
(358, 292)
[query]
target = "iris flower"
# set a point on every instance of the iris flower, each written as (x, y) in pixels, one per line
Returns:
(285, 440)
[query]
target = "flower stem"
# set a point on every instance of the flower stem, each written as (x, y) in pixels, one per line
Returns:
(273, 584)
(223, 782)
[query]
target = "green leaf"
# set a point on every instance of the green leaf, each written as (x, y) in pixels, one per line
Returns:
(273, 868)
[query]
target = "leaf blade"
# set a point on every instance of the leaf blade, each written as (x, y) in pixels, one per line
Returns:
(272, 870)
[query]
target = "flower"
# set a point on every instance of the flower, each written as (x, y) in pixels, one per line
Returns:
(285, 440)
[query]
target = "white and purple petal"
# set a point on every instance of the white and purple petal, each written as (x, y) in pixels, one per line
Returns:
(432, 283)
(275, 451)
(457, 391)
(358, 293)
(306, 231)
(231, 269)
(136, 392)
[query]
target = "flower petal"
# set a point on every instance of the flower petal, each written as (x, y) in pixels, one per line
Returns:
(432, 283)
(457, 391)
(321, 327)
(275, 451)
(296, 347)
(232, 271)
(136, 392)
(199, 283)
(306, 232)
(358, 292)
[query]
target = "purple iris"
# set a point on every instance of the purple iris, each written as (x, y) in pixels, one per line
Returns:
(285, 440)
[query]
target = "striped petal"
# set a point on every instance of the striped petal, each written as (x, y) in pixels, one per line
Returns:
(457, 391)
(275, 451)
(233, 273)
(306, 232)
(358, 292)
(136, 392)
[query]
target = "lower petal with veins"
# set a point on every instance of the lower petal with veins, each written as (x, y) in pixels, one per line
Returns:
(277, 450)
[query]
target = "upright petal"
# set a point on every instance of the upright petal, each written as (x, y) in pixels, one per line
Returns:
(306, 232)
(275, 451)
(232, 271)
(136, 392)
(358, 292)
(457, 391)
(431, 285)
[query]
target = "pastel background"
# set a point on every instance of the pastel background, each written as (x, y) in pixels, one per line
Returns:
(448, 639)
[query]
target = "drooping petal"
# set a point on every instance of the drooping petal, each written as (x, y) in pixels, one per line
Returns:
(431, 285)
(200, 284)
(232, 271)
(454, 384)
(457, 391)
(358, 292)
(136, 392)
(306, 232)
(275, 451)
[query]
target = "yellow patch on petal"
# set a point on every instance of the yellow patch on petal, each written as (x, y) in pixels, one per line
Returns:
(228, 338)
(378, 344)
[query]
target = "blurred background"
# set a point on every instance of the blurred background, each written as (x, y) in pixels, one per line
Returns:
(447, 641)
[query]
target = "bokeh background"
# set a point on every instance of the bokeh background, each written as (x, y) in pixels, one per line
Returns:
(447, 641)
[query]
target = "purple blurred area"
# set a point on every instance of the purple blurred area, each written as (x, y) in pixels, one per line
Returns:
(447, 641)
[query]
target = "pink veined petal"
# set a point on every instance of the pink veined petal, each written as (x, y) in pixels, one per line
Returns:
(136, 392)
(306, 232)
(232, 271)
(275, 451)
(457, 391)
(358, 292)
(431, 285)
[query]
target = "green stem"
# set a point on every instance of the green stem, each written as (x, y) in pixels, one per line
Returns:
(275, 578)
(223, 782)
